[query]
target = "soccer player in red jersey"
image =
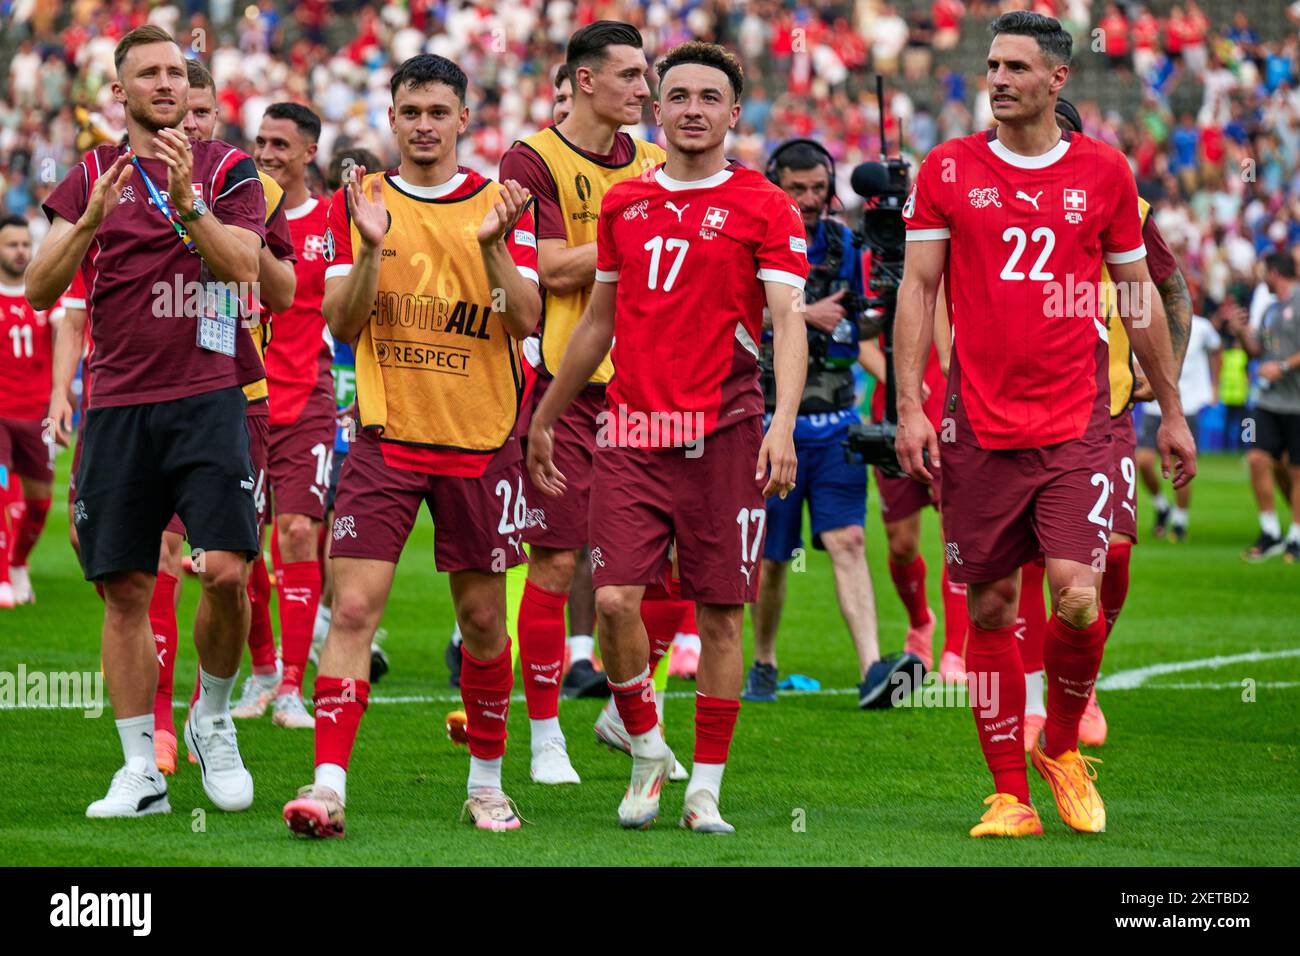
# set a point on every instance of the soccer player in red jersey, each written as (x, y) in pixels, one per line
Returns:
(301, 401)
(1023, 215)
(686, 259)
(161, 227)
(432, 272)
(26, 461)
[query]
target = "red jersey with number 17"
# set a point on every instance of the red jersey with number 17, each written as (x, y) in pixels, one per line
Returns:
(691, 259)
(1027, 236)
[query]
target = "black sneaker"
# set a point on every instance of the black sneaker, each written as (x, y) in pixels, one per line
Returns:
(760, 688)
(583, 680)
(1265, 547)
(890, 681)
(452, 657)
(1162, 521)
(1178, 533)
(1292, 553)
(378, 663)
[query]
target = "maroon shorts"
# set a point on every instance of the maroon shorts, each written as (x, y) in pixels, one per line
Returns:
(1123, 477)
(23, 449)
(257, 442)
(710, 506)
(478, 522)
(1002, 508)
(299, 462)
(561, 523)
(900, 498)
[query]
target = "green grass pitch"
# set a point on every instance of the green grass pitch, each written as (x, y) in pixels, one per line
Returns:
(1195, 773)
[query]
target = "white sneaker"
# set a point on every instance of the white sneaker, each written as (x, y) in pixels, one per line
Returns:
(290, 712)
(137, 790)
(225, 780)
(22, 584)
(611, 732)
(258, 692)
(700, 813)
(7, 594)
(640, 805)
(551, 763)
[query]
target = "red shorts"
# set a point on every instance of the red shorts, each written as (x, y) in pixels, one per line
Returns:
(1123, 476)
(710, 506)
(23, 449)
(257, 442)
(478, 522)
(300, 459)
(900, 498)
(561, 523)
(1002, 508)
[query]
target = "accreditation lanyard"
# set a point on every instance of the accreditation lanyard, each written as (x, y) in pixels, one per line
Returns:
(160, 200)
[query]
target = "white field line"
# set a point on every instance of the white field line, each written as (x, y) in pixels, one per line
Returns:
(1131, 679)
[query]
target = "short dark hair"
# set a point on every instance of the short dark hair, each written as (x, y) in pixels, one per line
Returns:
(588, 46)
(199, 77)
(1067, 112)
(358, 156)
(800, 156)
(563, 75)
(308, 123)
(1282, 263)
(12, 220)
(140, 36)
(429, 68)
(1055, 43)
(705, 54)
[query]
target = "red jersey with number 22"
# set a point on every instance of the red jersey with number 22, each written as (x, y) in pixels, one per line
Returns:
(1027, 235)
(690, 260)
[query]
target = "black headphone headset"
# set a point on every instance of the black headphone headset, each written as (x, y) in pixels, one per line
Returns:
(772, 164)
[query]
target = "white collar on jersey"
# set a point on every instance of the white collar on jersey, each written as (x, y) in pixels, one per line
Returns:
(430, 192)
(16, 291)
(1041, 161)
(676, 185)
(297, 212)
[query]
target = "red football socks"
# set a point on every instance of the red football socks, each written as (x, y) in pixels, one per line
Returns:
(956, 617)
(298, 587)
(909, 582)
(662, 618)
(485, 690)
(541, 649)
(715, 722)
(28, 529)
(1031, 617)
(1071, 659)
(635, 700)
(340, 702)
(997, 689)
(261, 639)
(162, 619)
(1114, 583)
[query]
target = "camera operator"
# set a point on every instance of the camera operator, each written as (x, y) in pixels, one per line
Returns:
(834, 489)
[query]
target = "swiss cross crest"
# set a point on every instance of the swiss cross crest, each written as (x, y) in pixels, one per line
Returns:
(715, 217)
(1076, 203)
(313, 247)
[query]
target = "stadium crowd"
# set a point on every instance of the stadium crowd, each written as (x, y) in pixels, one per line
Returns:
(1222, 179)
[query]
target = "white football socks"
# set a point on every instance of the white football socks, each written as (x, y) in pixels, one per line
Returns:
(214, 695)
(335, 777)
(136, 734)
(1294, 533)
(544, 730)
(1034, 701)
(706, 776)
(1178, 517)
(321, 629)
(581, 648)
(1269, 524)
(484, 774)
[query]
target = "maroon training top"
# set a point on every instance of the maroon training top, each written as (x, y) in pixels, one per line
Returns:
(145, 349)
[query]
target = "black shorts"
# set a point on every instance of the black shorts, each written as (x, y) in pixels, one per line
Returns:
(140, 464)
(1278, 434)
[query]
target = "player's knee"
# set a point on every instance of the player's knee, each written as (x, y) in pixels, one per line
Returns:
(127, 593)
(223, 580)
(845, 543)
(479, 620)
(904, 546)
(352, 617)
(1077, 606)
(616, 604)
(993, 606)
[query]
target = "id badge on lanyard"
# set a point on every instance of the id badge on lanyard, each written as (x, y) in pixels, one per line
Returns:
(218, 320)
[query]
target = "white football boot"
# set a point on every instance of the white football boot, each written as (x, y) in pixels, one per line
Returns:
(21, 580)
(700, 813)
(640, 805)
(225, 780)
(137, 790)
(551, 763)
(610, 731)
(257, 694)
(292, 713)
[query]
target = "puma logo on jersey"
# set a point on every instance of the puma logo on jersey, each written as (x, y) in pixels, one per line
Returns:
(673, 207)
(988, 196)
(746, 571)
(1032, 200)
(515, 543)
